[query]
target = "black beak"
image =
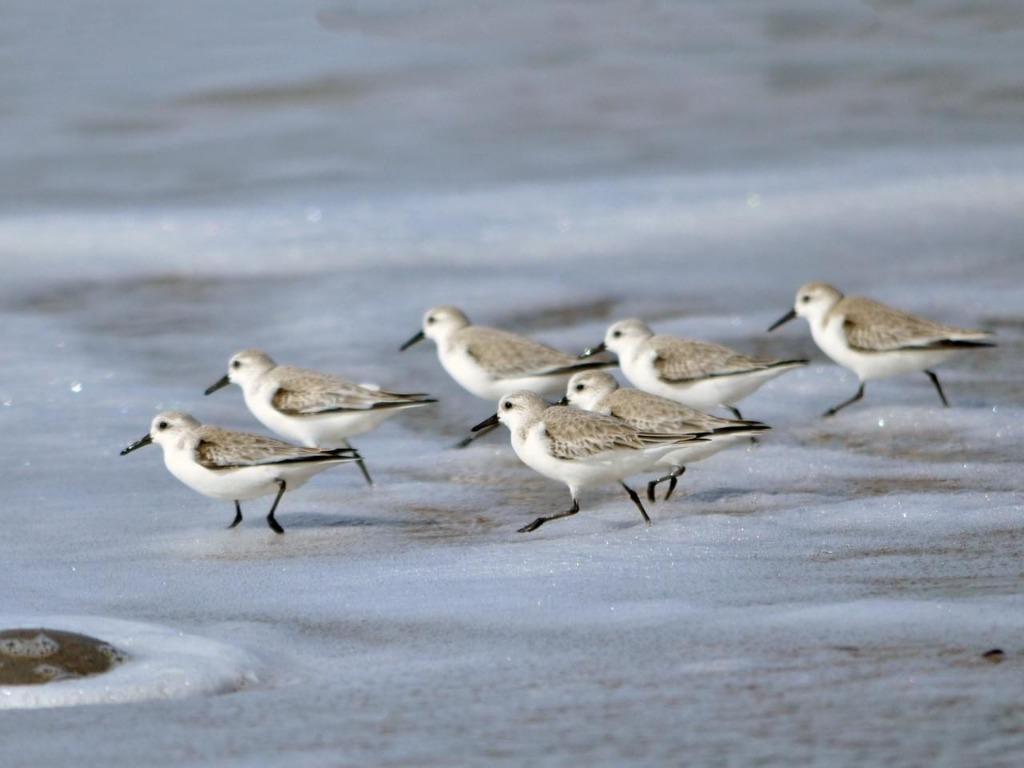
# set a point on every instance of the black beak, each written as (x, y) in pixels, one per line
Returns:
(222, 382)
(563, 401)
(415, 339)
(489, 423)
(142, 442)
(791, 315)
(591, 351)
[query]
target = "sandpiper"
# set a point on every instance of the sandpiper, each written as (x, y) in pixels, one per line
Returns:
(236, 466)
(694, 373)
(599, 392)
(317, 410)
(876, 341)
(579, 448)
(489, 363)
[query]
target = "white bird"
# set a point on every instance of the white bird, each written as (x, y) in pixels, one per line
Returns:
(599, 392)
(579, 448)
(489, 363)
(876, 341)
(317, 410)
(695, 373)
(236, 466)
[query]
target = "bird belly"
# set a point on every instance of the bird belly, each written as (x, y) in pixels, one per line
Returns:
(288, 427)
(545, 386)
(331, 430)
(601, 468)
(699, 451)
(703, 394)
(472, 377)
(241, 484)
(880, 365)
(875, 365)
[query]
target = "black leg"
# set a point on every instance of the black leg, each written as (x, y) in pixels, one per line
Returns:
(673, 480)
(271, 520)
(238, 515)
(636, 500)
(475, 435)
(360, 462)
(735, 411)
(541, 520)
(672, 477)
(938, 387)
(851, 401)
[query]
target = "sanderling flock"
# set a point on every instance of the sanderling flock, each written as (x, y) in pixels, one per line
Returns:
(598, 433)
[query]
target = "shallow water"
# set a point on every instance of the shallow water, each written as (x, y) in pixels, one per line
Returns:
(309, 180)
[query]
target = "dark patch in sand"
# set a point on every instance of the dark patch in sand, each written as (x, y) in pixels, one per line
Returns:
(561, 316)
(329, 89)
(37, 656)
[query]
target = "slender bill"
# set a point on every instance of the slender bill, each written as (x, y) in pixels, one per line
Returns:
(474, 436)
(222, 382)
(563, 401)
(791, 315)
(489, 423)
(414, 340)
(142, 442)
(591, 351)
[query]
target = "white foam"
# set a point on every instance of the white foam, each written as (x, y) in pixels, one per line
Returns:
(160, 663)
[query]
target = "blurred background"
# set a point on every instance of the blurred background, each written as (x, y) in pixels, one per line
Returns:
(407, 127)
(194, 103)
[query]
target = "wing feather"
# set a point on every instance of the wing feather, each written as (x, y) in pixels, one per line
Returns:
(508, 355)
(871, 326)
(576, 434)
(306, 393)
(224, 449)
(682, 360)
(652, 413)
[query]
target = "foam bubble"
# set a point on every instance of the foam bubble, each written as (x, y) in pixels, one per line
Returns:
(38, 647)
(147, 662)
(52, 672)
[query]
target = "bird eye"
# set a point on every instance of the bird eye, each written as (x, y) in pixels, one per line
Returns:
(507, 405)
(806, 299)
(237, 364)
(430, 321)
(580, 387)
(162, 425)
(616, 334)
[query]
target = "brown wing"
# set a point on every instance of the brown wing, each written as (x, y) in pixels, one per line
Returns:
(651, 413)
(223, 449)
(306, 393)
(871, 326)
(506, 355)
(576, 434)
(681, 360)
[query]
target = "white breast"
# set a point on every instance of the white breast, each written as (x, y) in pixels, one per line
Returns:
(235, 484)
(466, 371)
(257, 400)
